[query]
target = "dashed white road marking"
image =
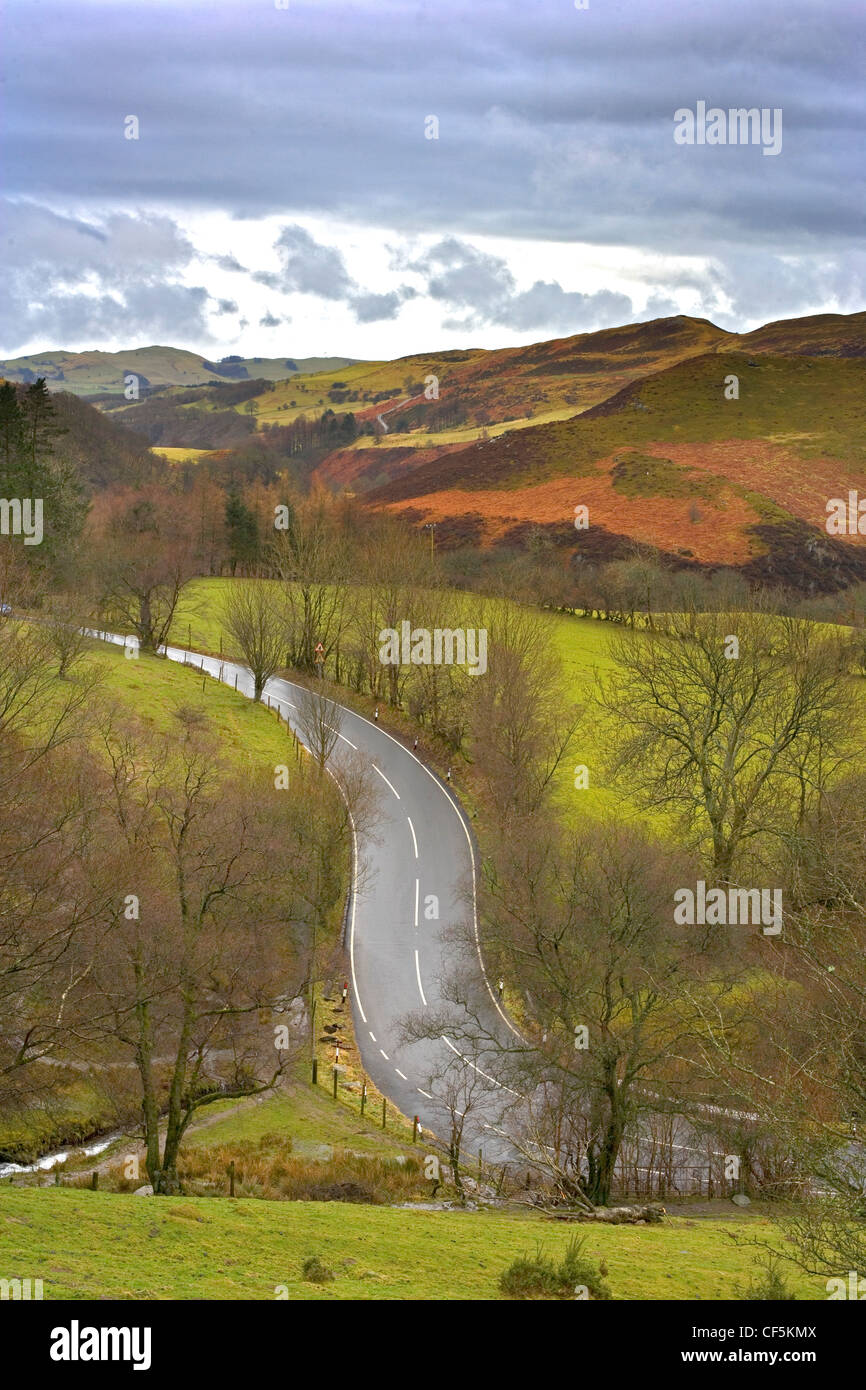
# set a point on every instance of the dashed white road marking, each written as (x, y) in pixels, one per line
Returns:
(469, 1062)
(456, 807)
(373, 1036)
(178, 654)
(423, 1093)
(385, 779)
(418, 976)
(414, 841)
(346, 740)
(400, 1073)
(384, 1054)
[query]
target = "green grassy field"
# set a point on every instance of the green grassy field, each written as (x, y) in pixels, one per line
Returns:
(182, 455)
(463, 434)
(582, 644)
(250, 737)
(90, 1245)
(252, 740)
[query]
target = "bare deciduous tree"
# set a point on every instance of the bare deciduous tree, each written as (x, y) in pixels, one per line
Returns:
(207, 930)
(522, 725)
(254, 616)
(143, 559)
(319, 719)
(732, 740)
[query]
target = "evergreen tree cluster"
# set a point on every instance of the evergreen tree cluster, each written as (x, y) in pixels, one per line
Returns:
(32, 466)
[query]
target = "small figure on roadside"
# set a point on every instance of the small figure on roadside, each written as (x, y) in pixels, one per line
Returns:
(501, 987)
(376, 715)
(345, 991)
(415, 744)
(448, 774)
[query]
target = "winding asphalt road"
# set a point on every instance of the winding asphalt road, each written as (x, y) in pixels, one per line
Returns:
(414, 879)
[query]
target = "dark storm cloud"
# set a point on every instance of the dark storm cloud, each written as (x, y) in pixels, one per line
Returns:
(553, 122)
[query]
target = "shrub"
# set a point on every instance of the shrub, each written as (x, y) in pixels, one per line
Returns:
(539, 1277)
(771, 1287)
(315, 1272)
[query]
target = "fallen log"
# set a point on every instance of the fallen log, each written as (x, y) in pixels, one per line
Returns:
(649, 1214)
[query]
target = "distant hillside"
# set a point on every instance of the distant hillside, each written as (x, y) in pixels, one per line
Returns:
(102, 451)
(497, 446)
(819, 335)
(519, 388)
(94, 373)
(670, 462)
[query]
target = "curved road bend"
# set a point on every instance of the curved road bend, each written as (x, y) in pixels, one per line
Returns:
(398, 954)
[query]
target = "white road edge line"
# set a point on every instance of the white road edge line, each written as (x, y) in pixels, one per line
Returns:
(459, 813)
(414, 841)
(179, 654)
(470, 1063)
(354, 897)
(385, 779)
(418, 975)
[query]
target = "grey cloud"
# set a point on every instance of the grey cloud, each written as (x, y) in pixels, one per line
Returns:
(268, 320)
(129, 247)
(465, 278)
(309, 267)
(77, 320)
(228, 262)
(226, 306)
(371, 308)
(555, 122)
(547, 305)
(70, 281)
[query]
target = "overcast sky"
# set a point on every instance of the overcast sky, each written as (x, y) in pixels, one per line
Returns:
(283, 196)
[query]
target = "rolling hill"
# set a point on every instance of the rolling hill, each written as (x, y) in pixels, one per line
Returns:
(96, 373)
(671, 462)
(633, 422)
